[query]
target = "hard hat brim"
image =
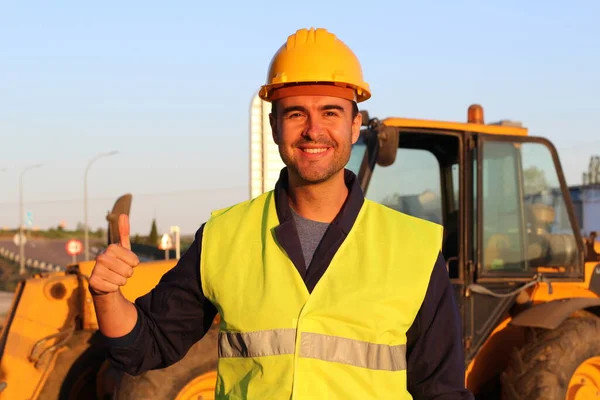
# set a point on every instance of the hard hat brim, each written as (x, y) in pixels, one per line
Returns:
(361, 94)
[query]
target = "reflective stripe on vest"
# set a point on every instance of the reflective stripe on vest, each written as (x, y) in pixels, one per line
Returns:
(347, 338)
(313, 345)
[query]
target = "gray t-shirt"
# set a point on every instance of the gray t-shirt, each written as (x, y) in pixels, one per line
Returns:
(310, 233)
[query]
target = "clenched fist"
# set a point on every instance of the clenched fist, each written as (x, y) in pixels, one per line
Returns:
(115, 265)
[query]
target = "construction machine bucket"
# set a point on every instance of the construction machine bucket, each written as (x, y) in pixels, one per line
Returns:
(122, 206)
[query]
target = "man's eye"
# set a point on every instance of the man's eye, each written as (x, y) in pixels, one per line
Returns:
(331, 114)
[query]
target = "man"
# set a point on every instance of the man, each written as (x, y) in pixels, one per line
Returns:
(322, 294)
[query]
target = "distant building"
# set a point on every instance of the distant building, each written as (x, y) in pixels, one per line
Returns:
(265, 162)
(586, 198)
(591, 208)
(586, 204)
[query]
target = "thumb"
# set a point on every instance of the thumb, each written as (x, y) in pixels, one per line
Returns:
(124, 231)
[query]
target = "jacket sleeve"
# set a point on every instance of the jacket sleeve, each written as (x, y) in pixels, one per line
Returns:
(172, 317)
(435, 358)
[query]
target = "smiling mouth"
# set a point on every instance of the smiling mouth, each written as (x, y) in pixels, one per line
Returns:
(315, 151)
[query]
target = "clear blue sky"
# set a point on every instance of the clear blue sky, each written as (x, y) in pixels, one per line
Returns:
(169, 84)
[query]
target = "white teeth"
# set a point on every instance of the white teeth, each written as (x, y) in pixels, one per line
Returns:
(314, 150)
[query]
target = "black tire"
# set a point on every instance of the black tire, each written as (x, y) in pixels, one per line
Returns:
(543, 367)
(165, 384)
(74, 374)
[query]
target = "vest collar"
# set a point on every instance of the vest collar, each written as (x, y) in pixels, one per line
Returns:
(348, 213)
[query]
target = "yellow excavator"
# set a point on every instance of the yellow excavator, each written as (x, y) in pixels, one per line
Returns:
(526, 279)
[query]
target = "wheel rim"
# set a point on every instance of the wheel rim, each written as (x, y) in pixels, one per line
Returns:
(585, 382)
(200, 388)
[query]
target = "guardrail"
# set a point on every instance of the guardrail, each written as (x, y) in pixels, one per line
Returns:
(144, 252)
(30, 263)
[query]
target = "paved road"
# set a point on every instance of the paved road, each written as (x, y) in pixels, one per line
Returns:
(50, 251)
(5, 301)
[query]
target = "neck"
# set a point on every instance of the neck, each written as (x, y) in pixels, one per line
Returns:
(318, 202)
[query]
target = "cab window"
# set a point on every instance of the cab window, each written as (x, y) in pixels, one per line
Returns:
(423, 182)
(525, 220)
(411, 185)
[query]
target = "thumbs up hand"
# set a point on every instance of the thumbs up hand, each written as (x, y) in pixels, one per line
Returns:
(115, 265)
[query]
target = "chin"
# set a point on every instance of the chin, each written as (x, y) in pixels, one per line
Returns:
(316, 176)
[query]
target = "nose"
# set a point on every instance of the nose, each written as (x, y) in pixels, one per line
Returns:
(313, 129)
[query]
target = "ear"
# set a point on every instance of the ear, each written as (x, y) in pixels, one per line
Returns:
(356, 124)
(273, 123)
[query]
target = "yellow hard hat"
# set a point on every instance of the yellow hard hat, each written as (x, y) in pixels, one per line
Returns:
(315, 57)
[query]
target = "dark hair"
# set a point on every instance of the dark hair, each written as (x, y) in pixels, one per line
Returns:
(354, 108)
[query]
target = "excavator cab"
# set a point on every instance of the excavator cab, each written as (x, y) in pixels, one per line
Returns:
(492, 187)
(509, 224)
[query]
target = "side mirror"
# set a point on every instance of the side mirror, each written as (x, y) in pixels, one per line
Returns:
(365, 117)
(122, 206)
(388, 140)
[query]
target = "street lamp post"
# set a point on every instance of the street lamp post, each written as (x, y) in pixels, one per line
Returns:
(85, 202)
(2, 170)
(21, 234)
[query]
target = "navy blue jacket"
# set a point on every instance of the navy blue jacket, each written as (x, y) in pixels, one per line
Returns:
(175, 314)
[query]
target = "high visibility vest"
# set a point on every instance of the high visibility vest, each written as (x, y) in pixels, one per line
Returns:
(346, 339)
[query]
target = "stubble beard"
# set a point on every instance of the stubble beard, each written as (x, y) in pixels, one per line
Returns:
(313, 172)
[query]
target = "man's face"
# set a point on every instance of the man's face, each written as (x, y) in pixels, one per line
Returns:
(315, 135)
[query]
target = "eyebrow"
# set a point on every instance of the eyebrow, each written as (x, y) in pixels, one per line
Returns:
(304, 109)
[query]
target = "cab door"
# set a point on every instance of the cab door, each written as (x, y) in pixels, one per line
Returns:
(524, 224)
